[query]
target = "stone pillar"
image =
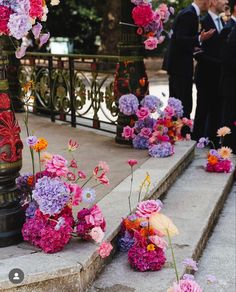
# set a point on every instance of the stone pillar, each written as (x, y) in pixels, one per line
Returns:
(131, 74)
(11, 213)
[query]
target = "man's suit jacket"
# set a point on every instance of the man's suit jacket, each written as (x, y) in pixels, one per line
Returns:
(228, 79)
(209, 61)
(179, 56)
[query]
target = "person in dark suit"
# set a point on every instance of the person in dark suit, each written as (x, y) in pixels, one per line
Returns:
(228, 89)
(207, 75)
(178, 61)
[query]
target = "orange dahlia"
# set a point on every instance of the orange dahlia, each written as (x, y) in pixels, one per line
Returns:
(41, 144)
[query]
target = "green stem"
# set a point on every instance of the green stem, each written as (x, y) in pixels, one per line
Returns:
(173, 256)
(32, 159)
(39, 162)
(87, 181)
(131, 186)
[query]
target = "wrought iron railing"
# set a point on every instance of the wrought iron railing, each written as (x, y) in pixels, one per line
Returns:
(76, 89)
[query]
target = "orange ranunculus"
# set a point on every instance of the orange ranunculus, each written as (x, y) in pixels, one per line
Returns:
(131, 225)
(41, 144)
(212, 159)
(145, 232)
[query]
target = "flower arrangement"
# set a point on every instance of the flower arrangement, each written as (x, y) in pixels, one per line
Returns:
(158, 135)
(218, 160)
(150, 21)
(49, 194)
(19, 17)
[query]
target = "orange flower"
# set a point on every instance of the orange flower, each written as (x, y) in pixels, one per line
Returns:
(151, 247)
(225, 152)
(132, 225)
(212, 159)
(29, 85)
(223, 131)
(41, 144)
(30, 180)
(145, 232)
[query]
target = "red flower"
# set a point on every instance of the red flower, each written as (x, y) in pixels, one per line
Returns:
(36, 8)
(132, 162)
(142, 15)
(4, 101)
(5, 13)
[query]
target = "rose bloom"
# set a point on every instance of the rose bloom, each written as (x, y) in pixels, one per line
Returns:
(146, 132)
(225, 152)
(146, 208)
(142, 113)
(186, 286)
(158, 241)
(151, 43)
(57, 165)
(223, 131)
(97, 234)
(105, 249)
(142, 15)
(128, 133)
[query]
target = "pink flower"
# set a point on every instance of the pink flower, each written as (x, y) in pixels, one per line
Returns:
(128, 132)
(5, 13)
(20, 52)
(142, 15)
(81, 174)
(57, 165)
(146, 133)
(186, 286)
(95, 217)
(158, 241)
(188, 137)
(105, 249)
(71, 176)
(73, 163)
(36, 9)
(132, 162)
(169, 110)
(147, 208)
(163, 11)
(97, 234)
(36, 30)
(151, 43)
(72, 145)
(140, 31)
(104, 166)
(103, 179)
(43, 38)
(76, 194)
(143, 113)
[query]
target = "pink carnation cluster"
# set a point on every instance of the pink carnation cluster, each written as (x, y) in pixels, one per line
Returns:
(150, 22)
(186, 285)
(87, 219)
(221, 166)
(36, 9)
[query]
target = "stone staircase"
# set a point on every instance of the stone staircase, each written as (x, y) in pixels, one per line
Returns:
(194, 200)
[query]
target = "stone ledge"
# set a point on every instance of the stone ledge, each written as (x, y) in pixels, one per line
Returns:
(77, 266)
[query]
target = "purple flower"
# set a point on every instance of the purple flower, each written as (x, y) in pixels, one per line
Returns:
(19, 25)
(36, 30)
(190, 264)
(188, 277)
(22, 182)
(125, 242)
(144, 224)
(31, 141)
(128, 104)
(140, 142)
(43, 38)
(132, 217)
(151, 102)
(20, 52)
(211, 279)
(88, 195)
(30, 211)
(177, 105)
(51, 194)
(163, 149)
(139, 2)
(214, 153)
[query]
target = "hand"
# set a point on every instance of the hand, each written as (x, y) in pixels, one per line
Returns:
(205, 35)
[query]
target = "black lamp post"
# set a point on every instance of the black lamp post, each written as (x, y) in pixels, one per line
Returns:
(131, 76)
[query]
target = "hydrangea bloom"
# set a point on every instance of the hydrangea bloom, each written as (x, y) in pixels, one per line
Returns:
(161, 150)
(125, 242)
(51, 194)
(128, 104)
(19, 25)
(151, 102)
(177, 105)
(140, 142)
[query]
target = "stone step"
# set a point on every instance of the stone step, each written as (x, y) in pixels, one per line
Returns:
(78, 264)
(193, 203)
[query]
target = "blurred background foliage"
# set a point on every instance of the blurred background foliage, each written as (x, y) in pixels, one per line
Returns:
(93, 25)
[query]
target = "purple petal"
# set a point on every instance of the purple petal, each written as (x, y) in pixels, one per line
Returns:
(20, 52)
(43, 38)
(36, 30)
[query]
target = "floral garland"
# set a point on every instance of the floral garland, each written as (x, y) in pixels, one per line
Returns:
(218, 160)
(158, 135)
(19, 17)
(150, 22)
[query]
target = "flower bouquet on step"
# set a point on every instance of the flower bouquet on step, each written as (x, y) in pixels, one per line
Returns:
(218, 160)
(144, 243)
(155, 129)
(49, 195)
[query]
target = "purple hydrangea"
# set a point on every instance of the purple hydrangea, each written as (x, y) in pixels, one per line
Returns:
(19, 25)
(154, 26)
(128, 104)
(177, 105)
(188, 277)
(163, 149)
(22, 181)
(30, 211)
(51, 194)
(152, 102)
(9, 3)
(140, 142)
(190, 264)
(125, 242)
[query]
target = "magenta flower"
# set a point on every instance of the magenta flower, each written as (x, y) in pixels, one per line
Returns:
(43, 38)
(81, 174)
(57, 165)
(146, 133)
(128, 132)
(132, 162)
(143, 113)
(36, 30)
(151, 43)
(142, 15)
(187, 285)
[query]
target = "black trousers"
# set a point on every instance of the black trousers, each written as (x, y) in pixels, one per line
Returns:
(181, 87)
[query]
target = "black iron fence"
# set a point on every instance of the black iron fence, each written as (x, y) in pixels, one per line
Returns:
(76, 89)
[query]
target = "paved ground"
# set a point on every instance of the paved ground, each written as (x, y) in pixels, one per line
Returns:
(219, 257)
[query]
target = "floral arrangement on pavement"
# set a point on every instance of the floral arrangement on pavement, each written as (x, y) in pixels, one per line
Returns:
(150, 21)
(50, 193)
(19, 17)
(218, 160)
(158, 135)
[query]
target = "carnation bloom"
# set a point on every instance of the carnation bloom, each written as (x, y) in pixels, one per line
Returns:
(223, 131)
(36, 9)
(225, 152)
(132, 162)
(97, 234)
(57, 165)
(41, 144)
(186, 286)
(105, 249)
